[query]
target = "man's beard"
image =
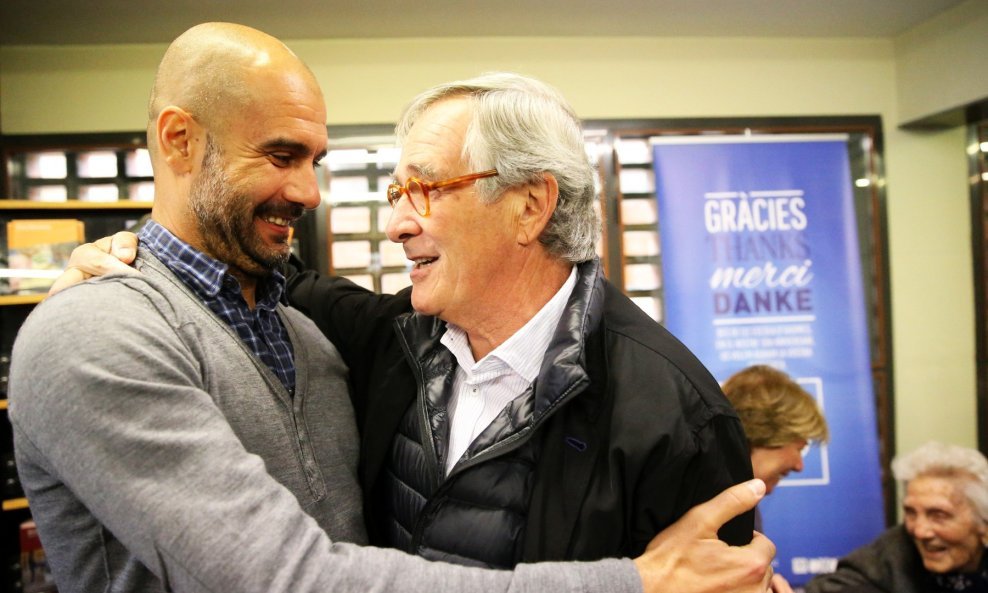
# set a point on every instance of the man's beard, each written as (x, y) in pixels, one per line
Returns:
(225, 219)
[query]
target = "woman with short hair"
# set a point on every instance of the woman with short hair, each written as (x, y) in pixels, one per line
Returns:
(941, 544)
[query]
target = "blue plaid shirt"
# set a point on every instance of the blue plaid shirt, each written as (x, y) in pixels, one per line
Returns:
(261, 329)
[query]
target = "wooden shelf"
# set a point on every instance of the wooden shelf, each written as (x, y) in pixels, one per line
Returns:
(21, 299)
(15, 504)
(3, 404)
(74, 205)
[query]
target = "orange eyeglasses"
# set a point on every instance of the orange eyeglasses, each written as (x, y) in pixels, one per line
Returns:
(418, 190)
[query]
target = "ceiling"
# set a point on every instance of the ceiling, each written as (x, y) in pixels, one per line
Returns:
(45, 22)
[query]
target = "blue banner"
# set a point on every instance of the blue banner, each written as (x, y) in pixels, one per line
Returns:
(760, 265)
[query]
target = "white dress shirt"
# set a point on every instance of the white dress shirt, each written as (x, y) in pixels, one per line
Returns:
(481, 389)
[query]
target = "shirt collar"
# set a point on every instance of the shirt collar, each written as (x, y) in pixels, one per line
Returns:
(205, 275)
(526, 348)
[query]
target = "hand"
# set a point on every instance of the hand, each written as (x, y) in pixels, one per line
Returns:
(779, 584)
(688, 557)
(99, 258)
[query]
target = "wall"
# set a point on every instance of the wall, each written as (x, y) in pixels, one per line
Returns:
(940, 63)
(104, 88)
(932, 287)
(52, 89)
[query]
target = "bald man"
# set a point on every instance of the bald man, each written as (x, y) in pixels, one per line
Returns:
(182, 430)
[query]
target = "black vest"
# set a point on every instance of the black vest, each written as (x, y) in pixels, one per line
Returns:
(475, 516)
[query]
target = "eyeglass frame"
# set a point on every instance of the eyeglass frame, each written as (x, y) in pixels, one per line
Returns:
(396, 190)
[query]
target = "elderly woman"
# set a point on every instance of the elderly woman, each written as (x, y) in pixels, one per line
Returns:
(941, 545)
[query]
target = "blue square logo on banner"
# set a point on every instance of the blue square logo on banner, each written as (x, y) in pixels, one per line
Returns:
(816, 464)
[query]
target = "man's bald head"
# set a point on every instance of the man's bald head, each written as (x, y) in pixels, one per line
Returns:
(211, 70)
(236, 123)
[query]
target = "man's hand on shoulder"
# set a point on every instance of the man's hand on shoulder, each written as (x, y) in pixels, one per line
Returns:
(688, 557)
(104, 256)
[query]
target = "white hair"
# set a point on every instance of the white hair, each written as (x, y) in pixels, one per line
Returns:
(524, 128)
(952, 461)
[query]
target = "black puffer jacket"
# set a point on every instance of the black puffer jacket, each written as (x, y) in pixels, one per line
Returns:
(642, 434)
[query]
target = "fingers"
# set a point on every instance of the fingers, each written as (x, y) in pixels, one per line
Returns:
(98, 259)
(762, 551)
(685, 558)
(728, 504)
(69, 277)
(780, 585)
(123, 246)
(104, 243)
(94, 259)
(762, 546)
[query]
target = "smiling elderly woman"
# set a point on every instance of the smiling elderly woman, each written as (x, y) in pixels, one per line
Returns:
(941, 544)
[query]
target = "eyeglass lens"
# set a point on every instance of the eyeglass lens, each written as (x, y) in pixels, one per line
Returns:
(417, 195)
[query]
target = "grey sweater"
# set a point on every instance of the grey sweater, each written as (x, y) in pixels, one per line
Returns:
(158, 453)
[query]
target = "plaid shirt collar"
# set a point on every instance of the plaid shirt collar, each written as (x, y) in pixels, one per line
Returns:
(203, 274)
(261, 329)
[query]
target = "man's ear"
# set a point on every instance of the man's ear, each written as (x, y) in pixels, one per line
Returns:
(178, 137)
(540, 204)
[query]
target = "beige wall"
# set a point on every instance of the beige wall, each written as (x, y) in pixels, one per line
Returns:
(932, 287)
(940, 63)
(104, 88)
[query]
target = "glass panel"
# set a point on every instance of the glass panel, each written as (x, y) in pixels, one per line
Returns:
(639, 211)
(348, 189)
(641, 277)
(365, 280)
(637, 181)
(351, 254)
(387, 158)
(48, 193)
(350, 220)
(101, 163)
(103, 192)
(392, 283)
(142, 191)
(633, 151)
(349, 159)
(641, 243)
(47, 165)
(649, 305)
(139, 163)
(392, 254)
